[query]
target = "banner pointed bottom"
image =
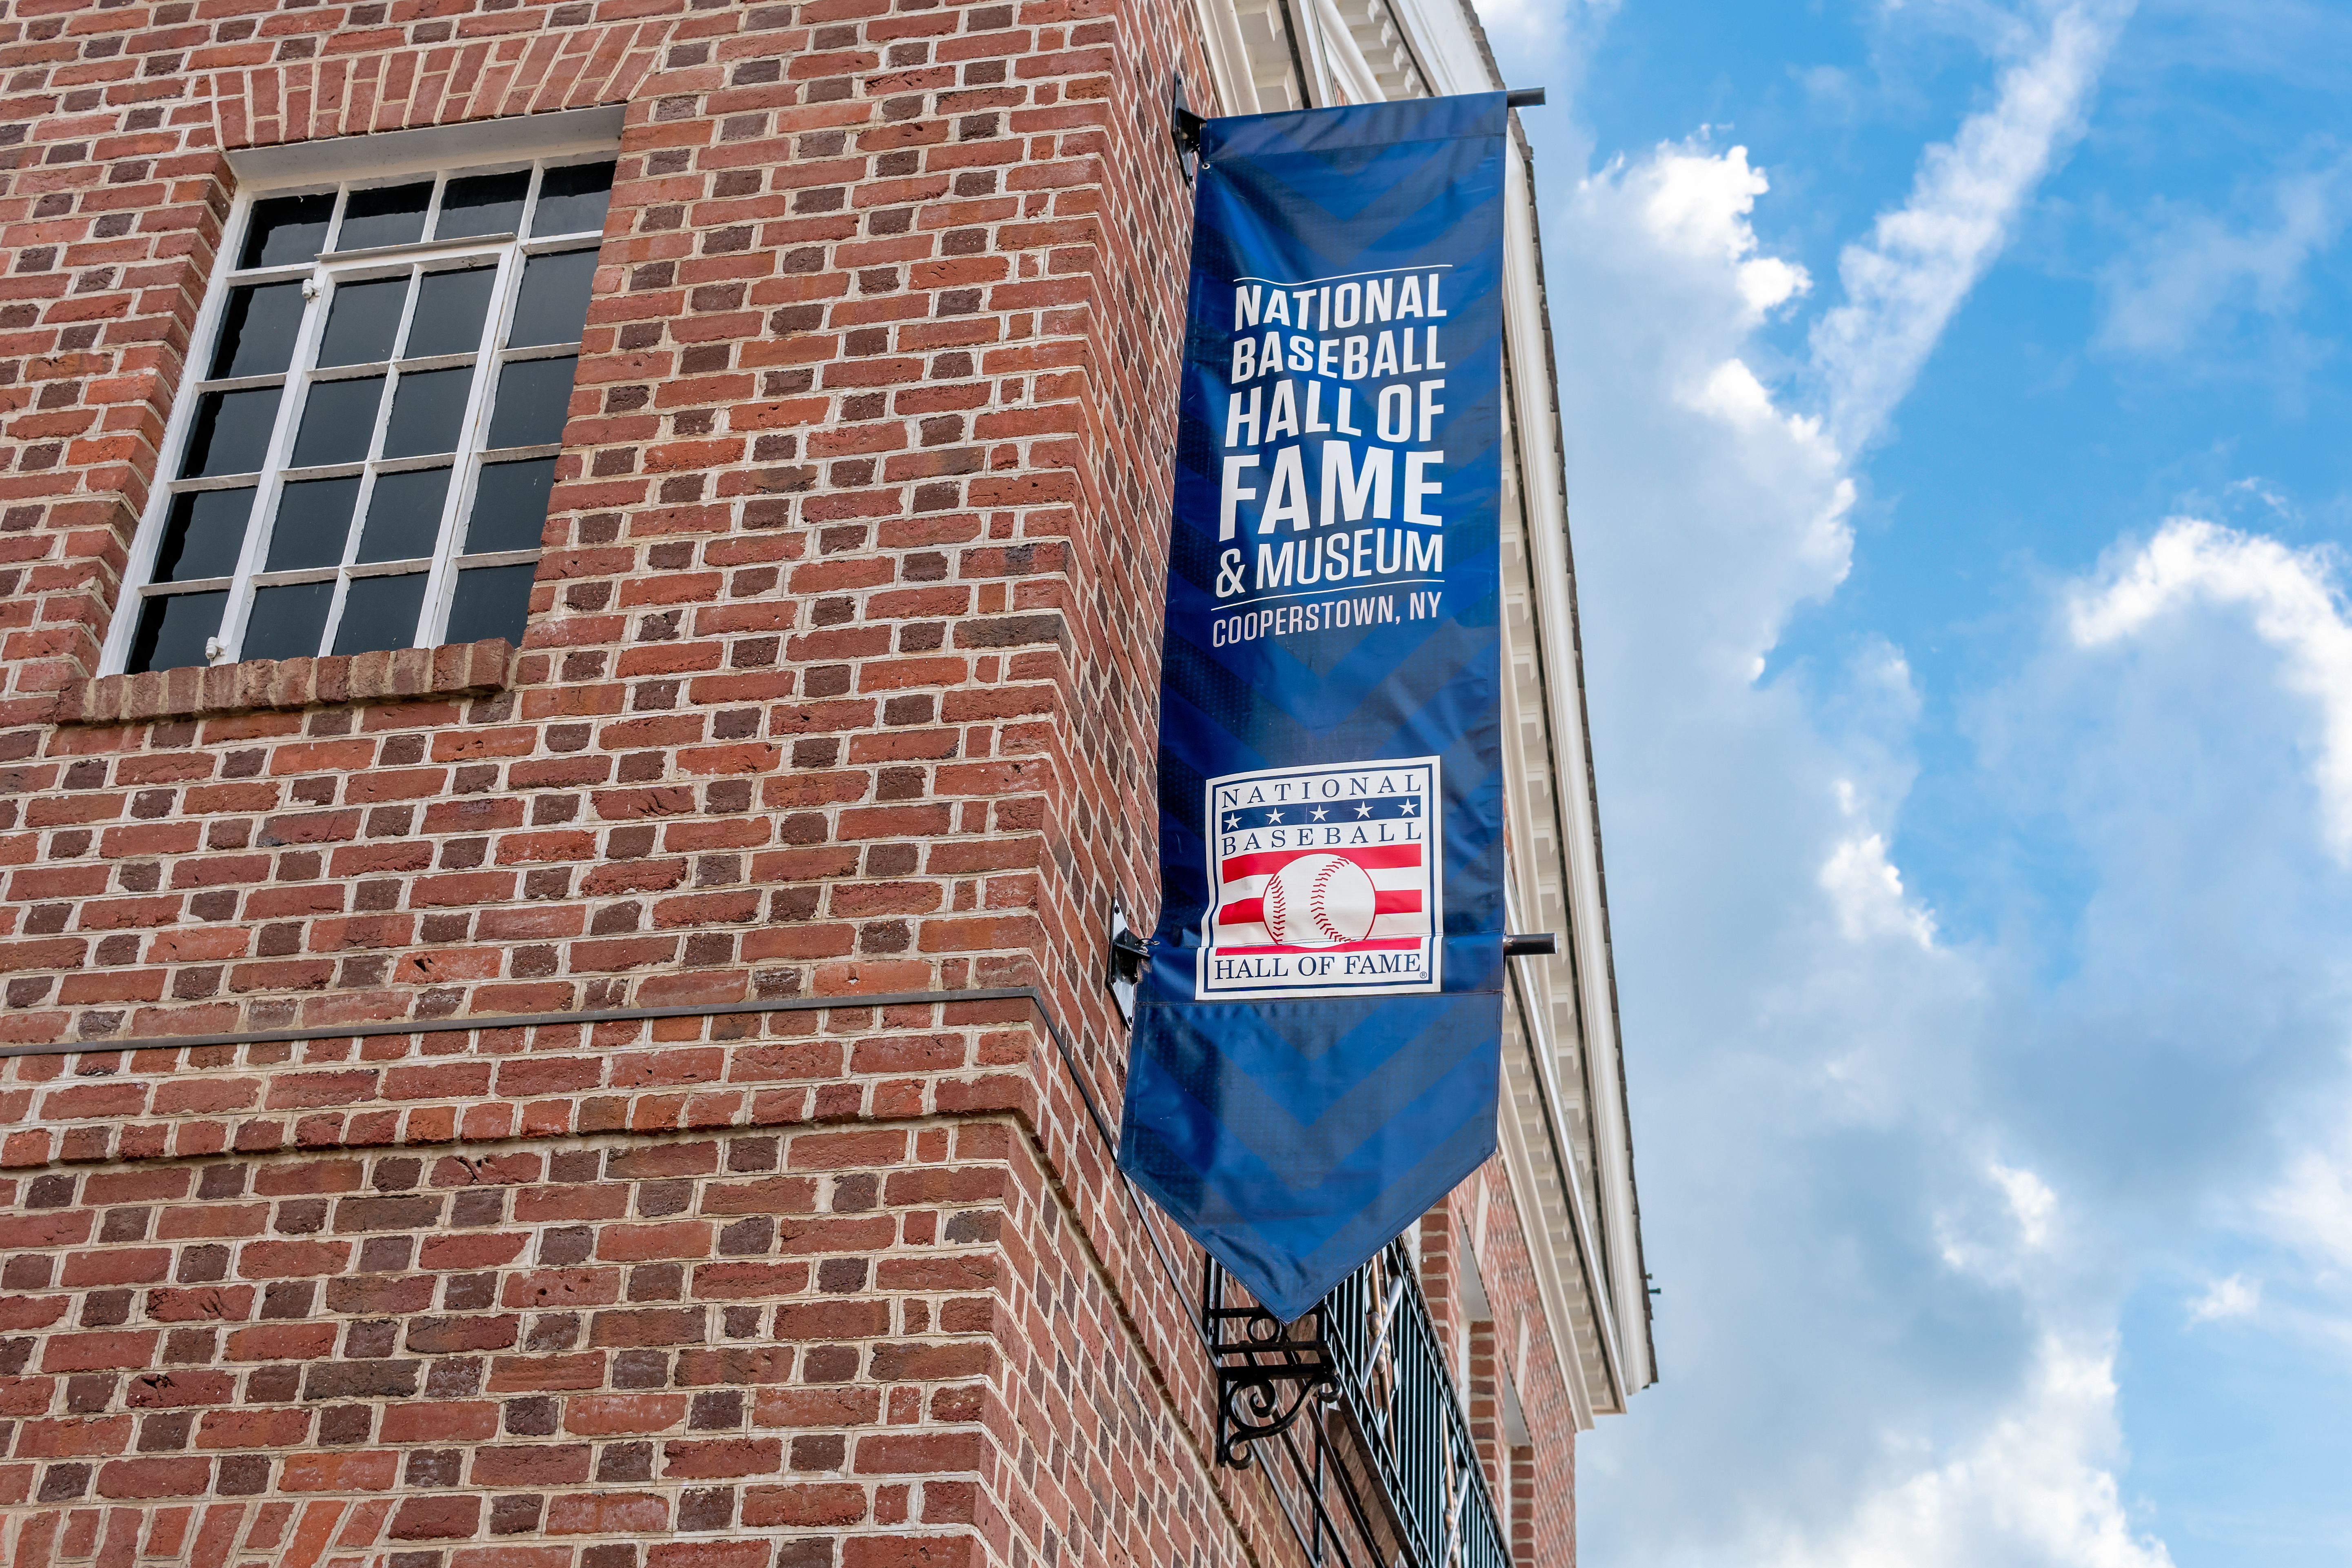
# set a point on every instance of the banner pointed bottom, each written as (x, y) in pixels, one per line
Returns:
(1286, 1282)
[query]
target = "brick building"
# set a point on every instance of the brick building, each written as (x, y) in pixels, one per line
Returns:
(586, 1048)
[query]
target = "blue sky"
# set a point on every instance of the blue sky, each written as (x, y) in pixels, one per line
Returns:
(1953, 392)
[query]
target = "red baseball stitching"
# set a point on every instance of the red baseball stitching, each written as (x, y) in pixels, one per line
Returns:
(1277, 909)
(1322, 899)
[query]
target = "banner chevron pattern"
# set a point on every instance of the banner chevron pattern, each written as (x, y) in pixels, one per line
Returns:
(1332, 688)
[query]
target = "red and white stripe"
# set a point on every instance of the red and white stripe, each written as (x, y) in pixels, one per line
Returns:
(1401, 921)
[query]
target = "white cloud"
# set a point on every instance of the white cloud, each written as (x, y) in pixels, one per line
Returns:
(2196, 267)
(1921, 260)
(1864, 888)
(2236, 1297)
(1698, 204)
(2009, 1250)
(1867, 893)
(2034, 1489)
(2296, 607)
(1679, 285)
(2030, 1203)
(2276, 501)
(1830, 89)
(2310, 1208)
(2307, 1212)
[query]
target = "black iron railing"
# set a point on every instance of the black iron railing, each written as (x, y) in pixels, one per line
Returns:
(1354, 1414)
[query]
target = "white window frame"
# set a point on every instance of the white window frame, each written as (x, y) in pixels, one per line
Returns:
(537, 143)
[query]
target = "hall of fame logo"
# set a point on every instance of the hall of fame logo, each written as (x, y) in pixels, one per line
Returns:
(1325, 881)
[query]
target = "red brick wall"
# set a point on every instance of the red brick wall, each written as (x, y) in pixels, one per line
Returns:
(840, 681)
(855, 1347)
(1478, 1226)
(850, 577)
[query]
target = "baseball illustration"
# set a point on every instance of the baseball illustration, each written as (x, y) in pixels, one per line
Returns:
(1320, 900)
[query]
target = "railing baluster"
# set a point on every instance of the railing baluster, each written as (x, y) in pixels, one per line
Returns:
(1395, 1421)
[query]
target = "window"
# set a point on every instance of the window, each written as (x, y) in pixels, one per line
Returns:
(365, 460)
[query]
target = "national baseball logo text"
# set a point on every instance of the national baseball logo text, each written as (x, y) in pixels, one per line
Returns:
(1326, 881)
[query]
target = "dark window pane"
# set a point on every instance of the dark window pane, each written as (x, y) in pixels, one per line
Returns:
(338, 421)
(380, 613)
(509, 506)
(203, 535)
(232, 433)
(532, 398)
(554, 302)
(491, 602)
(361, 326)
(172, 629)
(571, 200)
(287, 228)
(484, 204)
(288, 620)
(403, 517)
(427, 409)
(258, 330)
(389, 215)
(314, 518)
(450, 311)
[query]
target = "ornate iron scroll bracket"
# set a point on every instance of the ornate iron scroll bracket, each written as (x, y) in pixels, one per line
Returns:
(1268, 1372)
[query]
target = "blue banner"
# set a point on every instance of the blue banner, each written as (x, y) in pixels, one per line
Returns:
(1317, 1036)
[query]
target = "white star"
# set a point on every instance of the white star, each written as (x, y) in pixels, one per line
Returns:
(1231, 822)
(1271, 818)
(1320, 813)
(1406, 808)
(1363, 811)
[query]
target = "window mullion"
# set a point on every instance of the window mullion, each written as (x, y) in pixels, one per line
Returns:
(530, 198)
(370, 463)
(334, 611)
(441, 592)
(115, 651)
(357, 527)
(416, 276)
(262, 521)
(335, 225)
(236, 383)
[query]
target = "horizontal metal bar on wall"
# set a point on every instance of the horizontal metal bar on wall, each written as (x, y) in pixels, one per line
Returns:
(538, 1020)
(473, 1022)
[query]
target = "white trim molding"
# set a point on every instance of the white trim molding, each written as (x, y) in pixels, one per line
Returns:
(383, 153)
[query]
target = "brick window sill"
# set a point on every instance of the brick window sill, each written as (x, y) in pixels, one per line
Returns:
(262, 685)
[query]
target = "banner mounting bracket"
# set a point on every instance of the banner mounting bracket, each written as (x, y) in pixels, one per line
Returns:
(1129, 954)
(1184, 127)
